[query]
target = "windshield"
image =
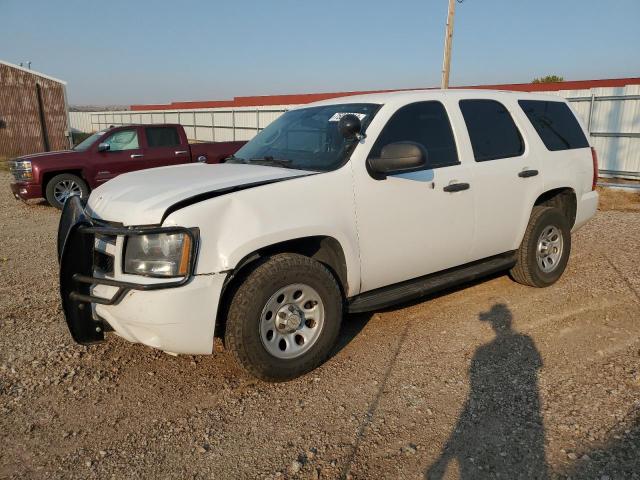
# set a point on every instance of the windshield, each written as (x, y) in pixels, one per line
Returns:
(87, 142)
(306, 138)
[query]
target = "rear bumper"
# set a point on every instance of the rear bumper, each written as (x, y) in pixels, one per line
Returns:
(585, 209)
(175, 315)
(26, 191)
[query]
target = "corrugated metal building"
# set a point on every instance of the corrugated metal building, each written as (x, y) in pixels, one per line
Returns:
(33, 112)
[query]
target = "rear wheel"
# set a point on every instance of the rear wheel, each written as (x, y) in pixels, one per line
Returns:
(284, 318)
(545, 248)
(63, 186)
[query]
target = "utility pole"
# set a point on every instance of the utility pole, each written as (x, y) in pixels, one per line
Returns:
(448, 40)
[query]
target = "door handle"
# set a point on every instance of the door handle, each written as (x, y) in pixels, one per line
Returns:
(456, 187)
(181, 152)
(528, 173)
(137, 155)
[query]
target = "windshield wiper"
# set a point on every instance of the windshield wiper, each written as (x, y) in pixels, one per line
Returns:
(269, 160)
(233, 159)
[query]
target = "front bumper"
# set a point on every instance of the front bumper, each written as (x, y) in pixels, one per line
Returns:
(26, 191)
(173, 315)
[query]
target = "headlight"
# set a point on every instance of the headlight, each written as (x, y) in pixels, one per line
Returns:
(21, 170)
(158, 254)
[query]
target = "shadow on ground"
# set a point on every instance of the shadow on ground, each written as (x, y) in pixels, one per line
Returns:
(354, 323)
(499, 433)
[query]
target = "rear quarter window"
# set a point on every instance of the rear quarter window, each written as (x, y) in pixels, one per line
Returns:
(555, 123)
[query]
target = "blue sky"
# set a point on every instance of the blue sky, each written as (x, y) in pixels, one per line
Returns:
(126, 51)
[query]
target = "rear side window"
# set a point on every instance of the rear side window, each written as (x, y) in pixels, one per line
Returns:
(162, 137)
(555, 123)
(425, 123)
(491, 129)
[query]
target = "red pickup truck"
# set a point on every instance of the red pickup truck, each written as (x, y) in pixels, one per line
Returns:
(106, 154)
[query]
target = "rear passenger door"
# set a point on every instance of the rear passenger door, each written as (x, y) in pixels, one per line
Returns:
(409, 225)
(165, 147)
(505, 176)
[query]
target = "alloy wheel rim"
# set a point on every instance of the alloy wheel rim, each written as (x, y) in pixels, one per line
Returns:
(549, 248)
(291, 321)
(65, 189)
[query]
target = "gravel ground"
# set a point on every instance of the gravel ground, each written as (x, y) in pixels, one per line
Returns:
(494, 380)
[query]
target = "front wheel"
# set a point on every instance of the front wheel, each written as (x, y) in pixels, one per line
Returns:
(284, 318)
(545, 248)
(63, 186)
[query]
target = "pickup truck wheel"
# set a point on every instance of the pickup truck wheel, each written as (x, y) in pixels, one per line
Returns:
(284, 318)
(544, 252)
(64, 186)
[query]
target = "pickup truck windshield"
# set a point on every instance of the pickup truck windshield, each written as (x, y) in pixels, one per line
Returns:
(305, 138)
(87, 142)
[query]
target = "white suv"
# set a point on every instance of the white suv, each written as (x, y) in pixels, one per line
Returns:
(351, 204)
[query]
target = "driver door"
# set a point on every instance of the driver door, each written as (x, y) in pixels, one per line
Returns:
(124, 155)
(409, 225)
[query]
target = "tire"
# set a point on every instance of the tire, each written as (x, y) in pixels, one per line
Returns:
(65, 184)
(307, 344)
(545, 268)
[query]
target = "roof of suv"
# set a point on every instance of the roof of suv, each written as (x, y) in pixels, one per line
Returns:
(420, 95)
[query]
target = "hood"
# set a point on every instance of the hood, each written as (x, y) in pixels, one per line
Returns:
(143, 197)
(58, 154)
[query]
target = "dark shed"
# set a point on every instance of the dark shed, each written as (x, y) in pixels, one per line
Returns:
(33, 112)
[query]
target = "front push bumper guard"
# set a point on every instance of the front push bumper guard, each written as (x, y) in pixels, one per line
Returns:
(76, 240)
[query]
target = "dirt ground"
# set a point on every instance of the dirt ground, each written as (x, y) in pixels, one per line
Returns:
(493, 380)
(620, 200)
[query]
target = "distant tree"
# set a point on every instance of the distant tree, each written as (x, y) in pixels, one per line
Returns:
(548, 79)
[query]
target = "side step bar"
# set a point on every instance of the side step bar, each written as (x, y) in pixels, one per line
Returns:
(422, 286)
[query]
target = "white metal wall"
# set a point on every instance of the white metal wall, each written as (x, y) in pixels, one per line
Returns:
(208, 125)
(611, 115)
(81, 121)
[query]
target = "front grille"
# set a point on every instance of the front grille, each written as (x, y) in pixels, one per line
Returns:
(103, 262)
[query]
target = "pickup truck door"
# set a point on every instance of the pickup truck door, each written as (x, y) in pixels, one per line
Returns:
(124, 155)
(165, 145)
(505, 175)
(413, 224)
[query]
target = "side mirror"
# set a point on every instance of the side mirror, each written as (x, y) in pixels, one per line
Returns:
(398, 157)
(103, 147)
(349, 126)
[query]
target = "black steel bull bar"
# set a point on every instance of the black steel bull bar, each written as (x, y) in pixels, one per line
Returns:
(76, 240)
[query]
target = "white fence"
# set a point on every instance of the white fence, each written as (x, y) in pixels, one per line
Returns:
(611, 115)
(208, 125)
(81, 122)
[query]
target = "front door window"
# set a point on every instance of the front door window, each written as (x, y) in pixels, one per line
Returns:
(123, 140)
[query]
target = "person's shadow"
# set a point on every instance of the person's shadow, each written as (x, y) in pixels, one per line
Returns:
(500, 432)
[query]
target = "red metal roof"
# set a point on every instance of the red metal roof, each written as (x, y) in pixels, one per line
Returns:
(296, 99)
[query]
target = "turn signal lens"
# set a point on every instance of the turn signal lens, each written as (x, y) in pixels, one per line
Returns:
(186, 254)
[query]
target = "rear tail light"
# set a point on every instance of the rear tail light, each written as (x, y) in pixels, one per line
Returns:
(594, 157)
